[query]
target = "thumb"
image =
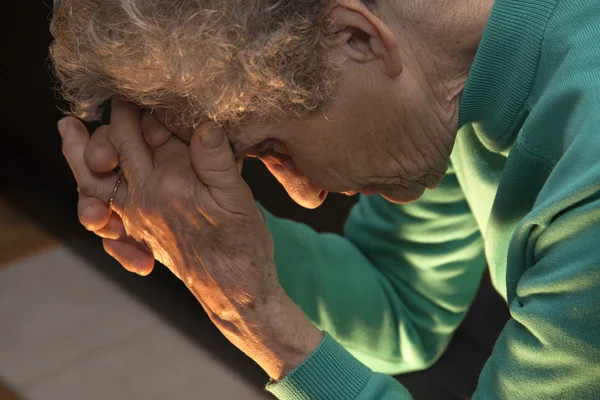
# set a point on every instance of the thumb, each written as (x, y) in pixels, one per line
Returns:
(217, 168)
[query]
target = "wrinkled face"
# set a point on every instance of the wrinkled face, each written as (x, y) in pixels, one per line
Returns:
(380, 133)
(373, 138)
(377, 135)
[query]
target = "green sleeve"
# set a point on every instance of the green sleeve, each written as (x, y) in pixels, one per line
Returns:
(392, 290)
(331, 373)
(550, 348)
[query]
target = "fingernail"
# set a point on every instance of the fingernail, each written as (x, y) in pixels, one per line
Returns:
(63, 125)
(212, 138)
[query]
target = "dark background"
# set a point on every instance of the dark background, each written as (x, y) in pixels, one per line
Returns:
(35, 178)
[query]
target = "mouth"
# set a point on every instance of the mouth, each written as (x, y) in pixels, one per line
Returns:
(371, 190)
(368, 191)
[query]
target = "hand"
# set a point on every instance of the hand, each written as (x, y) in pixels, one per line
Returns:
(101, 157)
(190, 208)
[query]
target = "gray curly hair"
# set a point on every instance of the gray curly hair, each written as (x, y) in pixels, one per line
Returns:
(221, 59)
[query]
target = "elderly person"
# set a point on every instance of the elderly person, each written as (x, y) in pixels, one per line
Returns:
(471, 128)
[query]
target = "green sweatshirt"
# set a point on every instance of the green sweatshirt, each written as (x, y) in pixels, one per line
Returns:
(522, 195)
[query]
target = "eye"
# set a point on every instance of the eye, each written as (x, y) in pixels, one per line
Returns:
(266, 148)
(271, 146)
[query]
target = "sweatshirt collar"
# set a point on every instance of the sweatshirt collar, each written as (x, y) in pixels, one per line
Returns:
(504, 69)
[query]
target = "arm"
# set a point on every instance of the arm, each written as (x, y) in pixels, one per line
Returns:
(551, 347)
(394, 289)
(373, 304)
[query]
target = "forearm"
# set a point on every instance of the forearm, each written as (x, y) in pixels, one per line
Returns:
(285, 337)
(379, 317)
(274, 332)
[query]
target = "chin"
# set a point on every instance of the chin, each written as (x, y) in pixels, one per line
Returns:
(403, 196)
(397, 200)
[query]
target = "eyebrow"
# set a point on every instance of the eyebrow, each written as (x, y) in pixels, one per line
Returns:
(240, 148)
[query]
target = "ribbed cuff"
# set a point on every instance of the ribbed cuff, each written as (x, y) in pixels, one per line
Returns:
(329, 373)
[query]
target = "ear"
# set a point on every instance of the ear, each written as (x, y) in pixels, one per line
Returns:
(363, 36)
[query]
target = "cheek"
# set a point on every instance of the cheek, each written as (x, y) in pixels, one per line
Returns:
(322, 150)
(323, 171)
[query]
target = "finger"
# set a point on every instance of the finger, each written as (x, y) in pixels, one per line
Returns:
(115, 229)
(100, 154)
(217, 168)
(135, 157)
(93, 213)
(172, 149)
(75, 138)
(130, 257)
(154, 132)
(167, 118)
(173, 153)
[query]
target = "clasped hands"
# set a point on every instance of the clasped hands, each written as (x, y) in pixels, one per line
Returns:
(187, 206)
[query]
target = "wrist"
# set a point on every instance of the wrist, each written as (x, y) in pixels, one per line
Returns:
(273, 331)
(294, 336)
(280, 336)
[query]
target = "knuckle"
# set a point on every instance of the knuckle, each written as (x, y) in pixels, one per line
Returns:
(226, 177)
(89, 187)
(86, 187)
(220, 164)
(127, 149)
(220, 176)
(101, 132)
(229, 169)
(107, 233)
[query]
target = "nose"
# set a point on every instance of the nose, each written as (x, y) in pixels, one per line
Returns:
(296, 184)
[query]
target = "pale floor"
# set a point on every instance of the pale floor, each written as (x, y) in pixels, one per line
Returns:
(67, 332)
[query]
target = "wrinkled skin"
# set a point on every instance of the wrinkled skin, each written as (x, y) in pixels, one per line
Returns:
(389, 129)
(188, 207)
